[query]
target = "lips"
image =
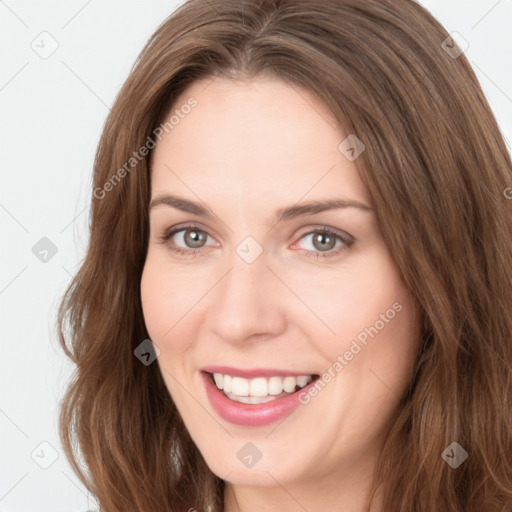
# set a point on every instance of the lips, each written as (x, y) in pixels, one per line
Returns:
(254, 397)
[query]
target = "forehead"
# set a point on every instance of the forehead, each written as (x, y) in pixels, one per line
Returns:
(260, 139)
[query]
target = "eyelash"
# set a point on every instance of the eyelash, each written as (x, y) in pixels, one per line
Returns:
(347, 241)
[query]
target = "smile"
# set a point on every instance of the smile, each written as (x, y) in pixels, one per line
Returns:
(261, 389)
(263, 399)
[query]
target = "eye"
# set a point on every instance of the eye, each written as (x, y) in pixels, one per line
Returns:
(191, 236)
(325, 241)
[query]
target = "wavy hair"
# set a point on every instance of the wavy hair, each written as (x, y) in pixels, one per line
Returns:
(437, 170)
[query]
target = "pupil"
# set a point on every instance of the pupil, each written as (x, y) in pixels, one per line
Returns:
(321, 239)
(196, 238)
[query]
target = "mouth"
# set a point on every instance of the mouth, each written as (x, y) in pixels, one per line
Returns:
(259, 390)
(258, 398)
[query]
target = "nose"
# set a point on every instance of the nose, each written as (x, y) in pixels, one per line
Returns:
(247, 303)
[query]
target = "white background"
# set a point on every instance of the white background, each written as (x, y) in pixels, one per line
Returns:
(52, 113)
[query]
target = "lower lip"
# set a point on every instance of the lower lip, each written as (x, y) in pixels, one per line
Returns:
(250, 415)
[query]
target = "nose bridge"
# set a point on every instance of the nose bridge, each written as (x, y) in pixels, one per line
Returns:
(244, 302)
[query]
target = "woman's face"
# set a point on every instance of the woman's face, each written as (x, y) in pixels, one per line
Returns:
(259, 296)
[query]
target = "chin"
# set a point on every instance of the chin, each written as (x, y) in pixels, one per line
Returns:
(235, 466)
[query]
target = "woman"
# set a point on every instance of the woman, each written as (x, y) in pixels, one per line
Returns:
(297, 290)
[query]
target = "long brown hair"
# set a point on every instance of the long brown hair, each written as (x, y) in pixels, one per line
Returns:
(436, 168)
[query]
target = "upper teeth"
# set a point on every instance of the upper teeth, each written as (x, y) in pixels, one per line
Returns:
(260, 386)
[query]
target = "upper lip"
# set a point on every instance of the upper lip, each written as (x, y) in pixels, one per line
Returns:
(251, 373)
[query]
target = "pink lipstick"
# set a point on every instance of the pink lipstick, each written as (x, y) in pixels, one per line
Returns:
(266, 386)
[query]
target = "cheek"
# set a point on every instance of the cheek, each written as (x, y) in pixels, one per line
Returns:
(351, 300)
(168, 294)
(153, 299)
(164, 307)
(161, 297)
(174, 300)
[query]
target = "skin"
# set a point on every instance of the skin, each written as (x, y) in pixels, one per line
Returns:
(247, 149)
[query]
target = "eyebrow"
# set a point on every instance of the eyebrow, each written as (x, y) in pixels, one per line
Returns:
(281, 214)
